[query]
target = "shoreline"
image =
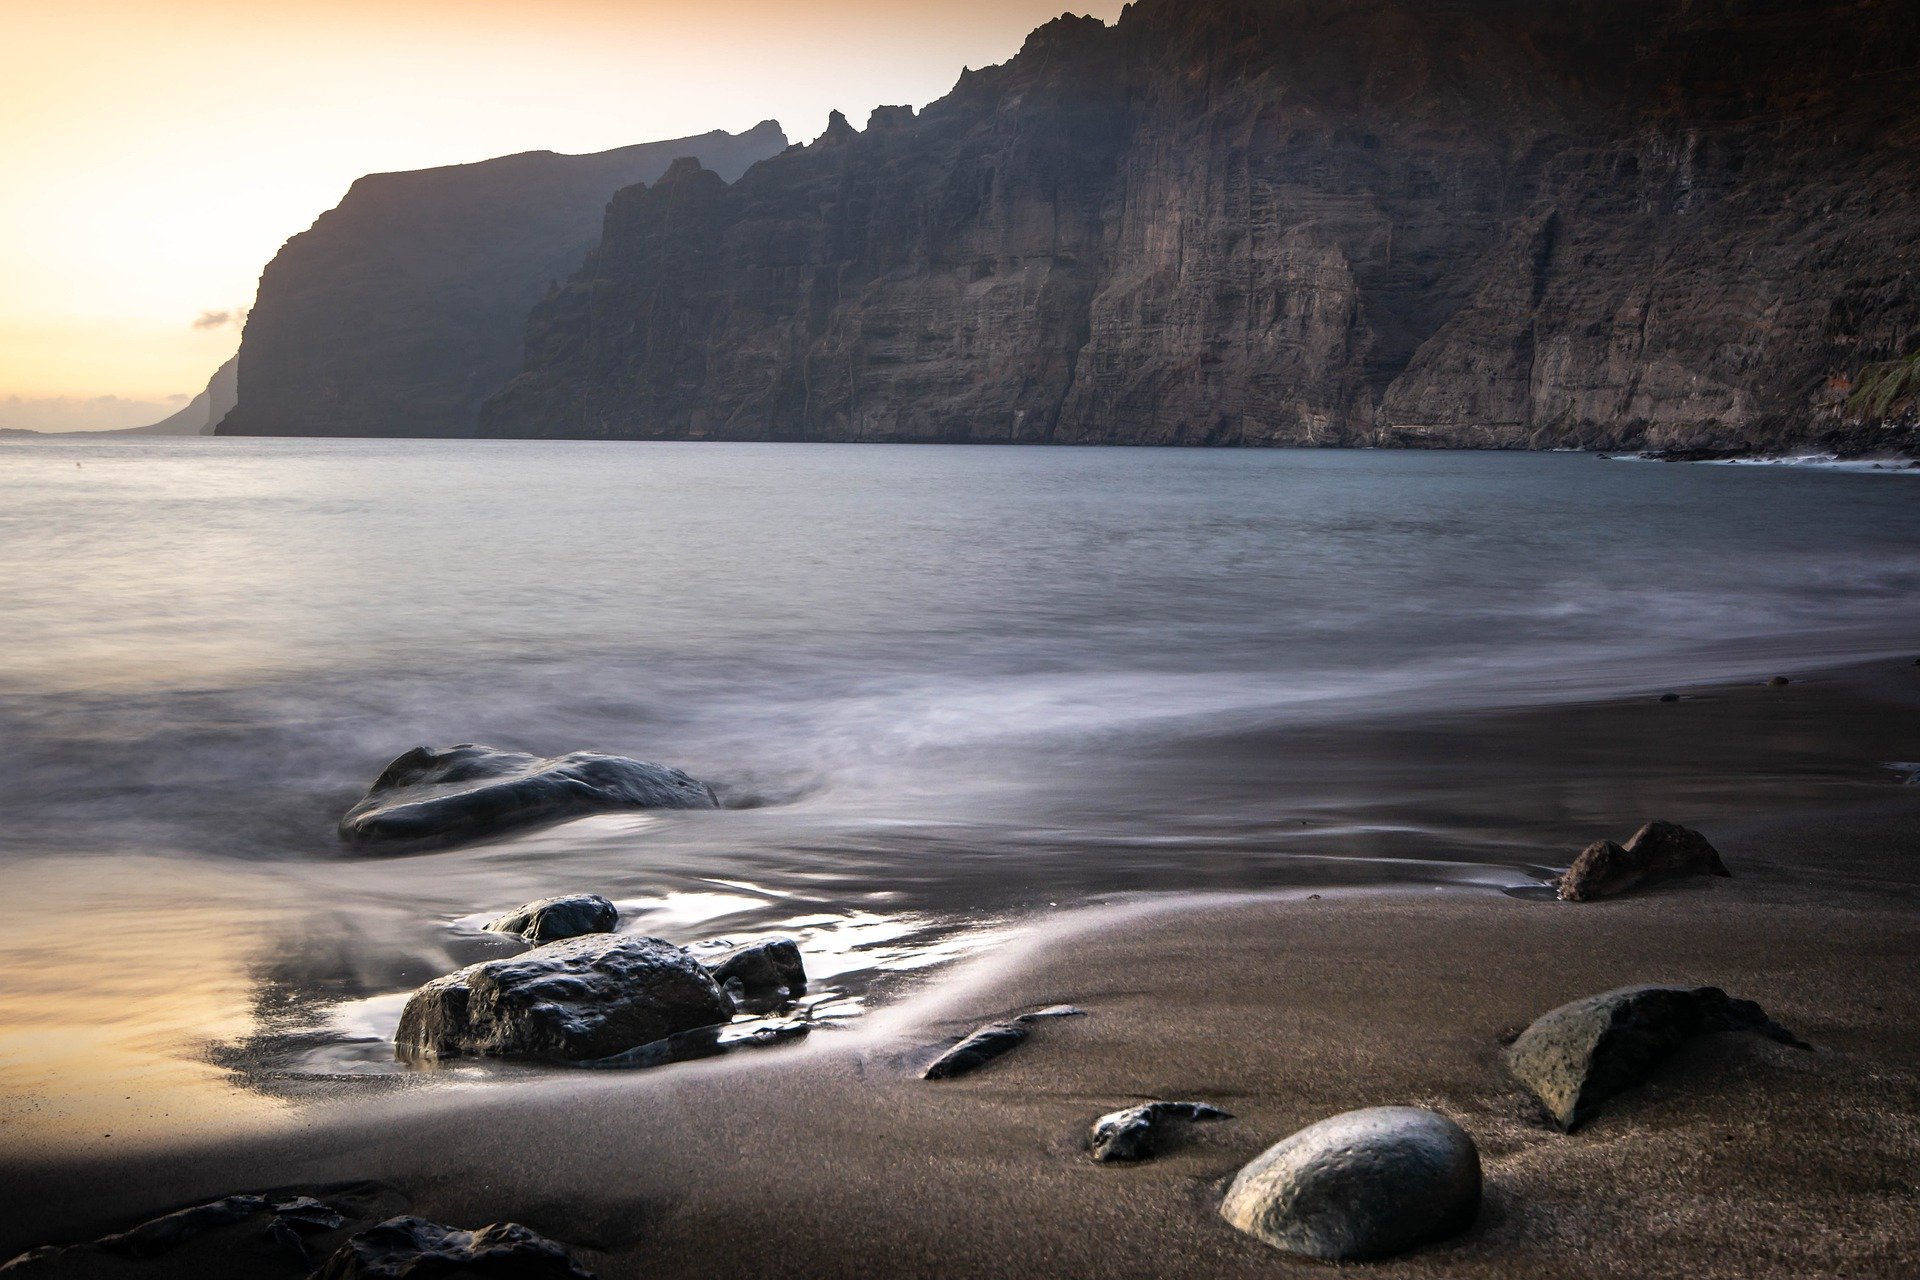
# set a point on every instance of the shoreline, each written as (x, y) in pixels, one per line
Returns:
(1283, 1009)
(1283, 1006)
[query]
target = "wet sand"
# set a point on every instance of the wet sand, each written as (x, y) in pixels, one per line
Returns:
(1741, 1158)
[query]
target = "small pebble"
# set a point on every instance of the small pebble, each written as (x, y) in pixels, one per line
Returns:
(1779, 681)
(1669, 697)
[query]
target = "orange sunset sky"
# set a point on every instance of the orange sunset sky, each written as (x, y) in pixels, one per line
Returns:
(157, 152)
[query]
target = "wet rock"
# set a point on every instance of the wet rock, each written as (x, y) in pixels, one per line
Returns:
(1669, 697)
(1577, 1056)
(570, 1001)
(463, 792)
(1364, 1184)
(706, 1042)
(551, 919)
(1658, 851)
(760, 975)
(1134, 1133)
(1778, 682)
(974, 1052)
(414, 1248)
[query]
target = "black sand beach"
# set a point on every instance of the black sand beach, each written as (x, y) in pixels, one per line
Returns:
(1740, 1158)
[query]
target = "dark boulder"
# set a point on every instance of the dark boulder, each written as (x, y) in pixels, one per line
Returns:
(1583, 1053)
(760, 975)
(1364, 1184)
(974, 1052)
(463, 792)
(570, 1001)
(1133, 1134)
(1657, 851)
(551, 919)
(409, 1248)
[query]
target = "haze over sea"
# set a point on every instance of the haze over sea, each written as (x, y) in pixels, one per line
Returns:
(936, 688)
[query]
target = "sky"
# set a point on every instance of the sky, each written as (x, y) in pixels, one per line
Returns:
(156, 153)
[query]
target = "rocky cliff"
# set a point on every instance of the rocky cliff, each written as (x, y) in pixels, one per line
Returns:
(403, 308)
(1510, 223)
(204, 412)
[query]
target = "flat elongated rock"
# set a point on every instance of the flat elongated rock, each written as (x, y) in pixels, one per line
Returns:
(974, 1052)
(569, 1001)
(413, 1249)
(761, 975)
(1363, 1184)
(1583, 1053)
(463, 792)
(1133, 1134)
(551, 919)
(1657, 851)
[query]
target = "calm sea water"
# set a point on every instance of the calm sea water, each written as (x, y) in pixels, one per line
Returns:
(937, 688)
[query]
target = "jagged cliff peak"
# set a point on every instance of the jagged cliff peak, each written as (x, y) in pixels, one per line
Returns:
(1487, 222)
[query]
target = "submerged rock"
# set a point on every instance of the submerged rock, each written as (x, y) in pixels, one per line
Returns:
(466, 791)
(551, 919)
(414, 1248)
(974, 1052)
(1363, 1184)
(1657, 851)
(760, 975)
(1133, 1134)
(1583, 1053)
(570, 1001)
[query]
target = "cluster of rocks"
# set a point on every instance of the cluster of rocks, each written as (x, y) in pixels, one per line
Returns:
(1657, 851)
(582, 994)
(593, 997)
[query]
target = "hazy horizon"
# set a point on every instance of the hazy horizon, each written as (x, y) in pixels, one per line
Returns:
(174, 147)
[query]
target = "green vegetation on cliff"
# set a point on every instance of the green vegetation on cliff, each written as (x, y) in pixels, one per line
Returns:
(1883, 386)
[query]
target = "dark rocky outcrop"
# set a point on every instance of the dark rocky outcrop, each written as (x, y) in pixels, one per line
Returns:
(1491, 223)
(976, 1050)
(446, 794)
(1135, 1133)
(1363, 1184)
(1579, 1055)
(551, 919)
(571, 1001)
(409, 1248)
(1657, 851)
(403, 308)
(259, 1234)
(759, 975)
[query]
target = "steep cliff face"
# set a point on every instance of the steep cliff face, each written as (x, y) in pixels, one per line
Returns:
(404, 307)
(1481, 222)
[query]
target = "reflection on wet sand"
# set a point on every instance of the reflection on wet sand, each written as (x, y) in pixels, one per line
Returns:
(116, 974)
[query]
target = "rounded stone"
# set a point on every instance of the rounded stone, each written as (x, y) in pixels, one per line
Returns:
(551, 919)
(1363, 1184)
